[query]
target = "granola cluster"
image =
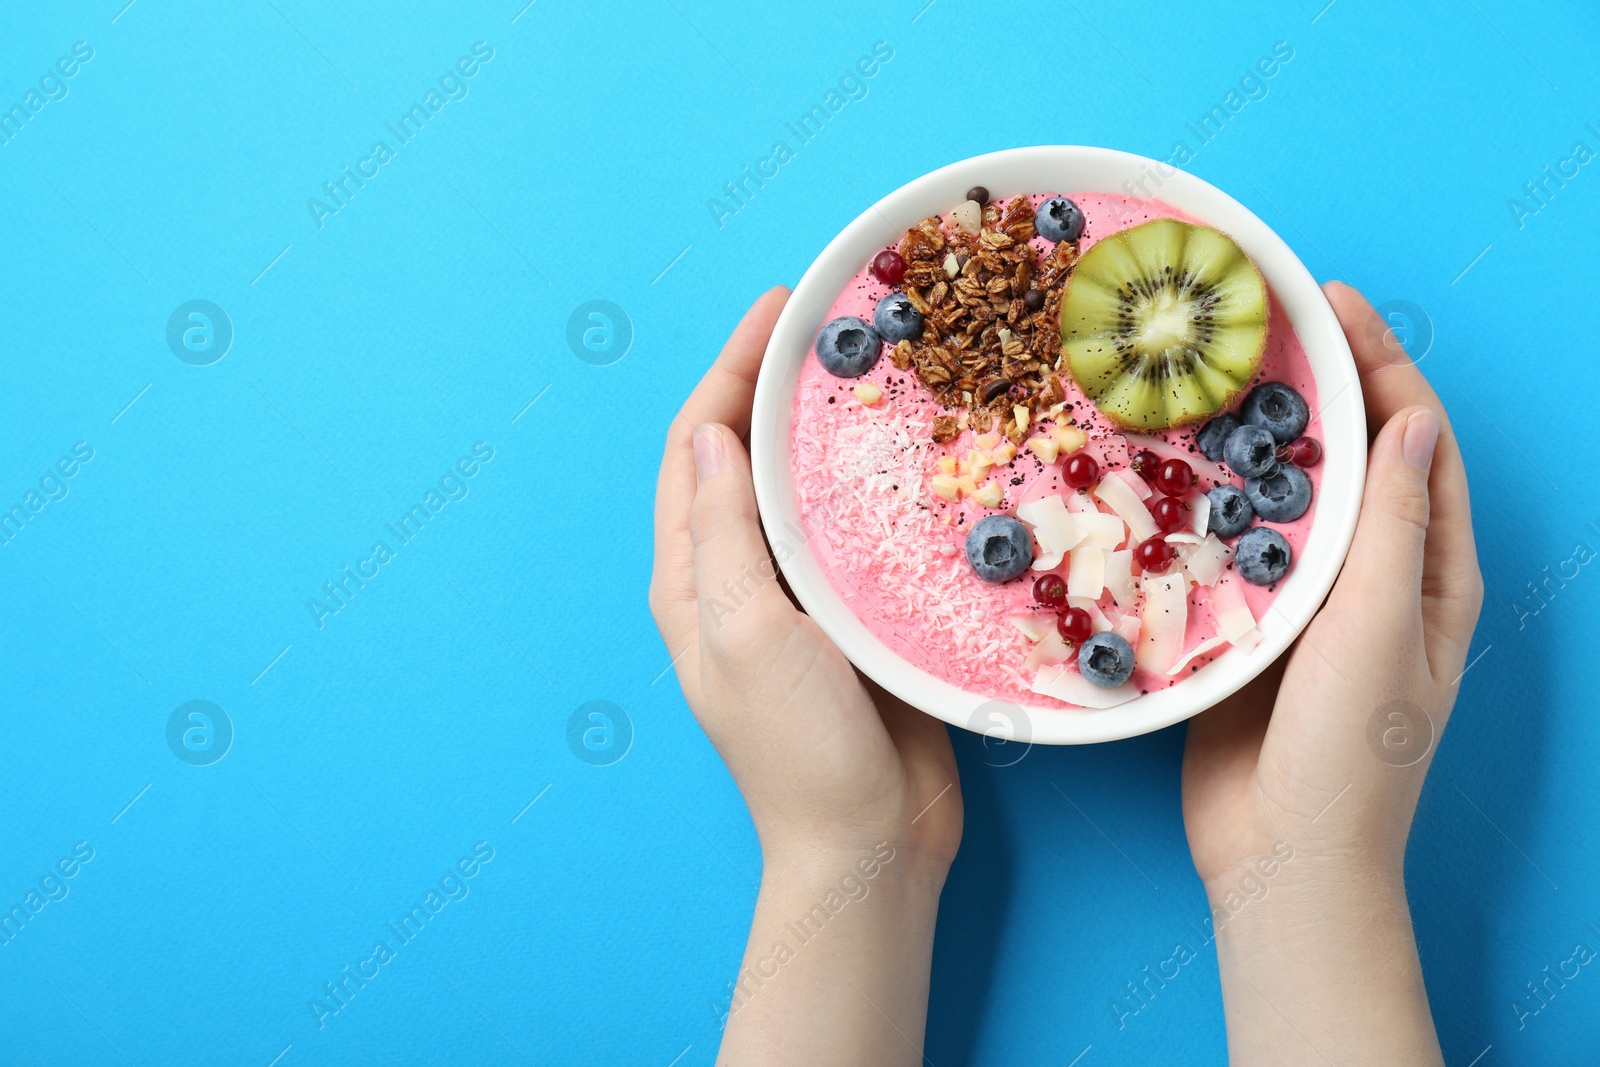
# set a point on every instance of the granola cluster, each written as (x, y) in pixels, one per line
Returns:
(990, 304)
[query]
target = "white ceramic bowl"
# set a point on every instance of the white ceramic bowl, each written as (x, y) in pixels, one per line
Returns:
(1064, 169)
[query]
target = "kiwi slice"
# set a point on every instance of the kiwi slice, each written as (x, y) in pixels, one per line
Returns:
(1163, 324)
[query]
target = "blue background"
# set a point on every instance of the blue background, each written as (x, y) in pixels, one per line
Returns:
(373, 351)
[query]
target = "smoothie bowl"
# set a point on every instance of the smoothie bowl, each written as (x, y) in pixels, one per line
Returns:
(1059, 443)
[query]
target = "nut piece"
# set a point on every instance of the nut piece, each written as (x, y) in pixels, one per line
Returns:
(952, 266)
(969, 216)
(1048, 449)
(868, 393)
(988, 494)
(1070, 438)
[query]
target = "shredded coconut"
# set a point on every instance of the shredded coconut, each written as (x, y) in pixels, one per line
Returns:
(862, 478)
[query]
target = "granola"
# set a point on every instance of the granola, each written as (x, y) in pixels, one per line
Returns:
(982, 346)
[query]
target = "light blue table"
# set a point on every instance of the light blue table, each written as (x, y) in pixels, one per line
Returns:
(393, 310)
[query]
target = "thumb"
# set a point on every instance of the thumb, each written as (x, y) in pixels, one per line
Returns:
(733, 570)
(1391, 534)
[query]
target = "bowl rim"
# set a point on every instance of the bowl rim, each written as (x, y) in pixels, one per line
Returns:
(1065, 169)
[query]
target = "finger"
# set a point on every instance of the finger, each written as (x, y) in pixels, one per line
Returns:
(1451, 585)
(733, 572)
(1382, 578)
(1389, 378)
(724, 395)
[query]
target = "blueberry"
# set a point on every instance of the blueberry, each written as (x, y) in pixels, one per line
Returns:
(1280, 497)
(896, 320)
(998, 548)
(1262, 556)
(1230, 511)
(1106, 659)
(1214, 435)
(1251, 451)
(1278, 408)
(848, 347)
(1059, 220)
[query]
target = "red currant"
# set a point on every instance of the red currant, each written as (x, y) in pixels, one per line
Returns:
(1174, 477)
(1145, 464)
(1075, 626)
(888, 267)
(1080, 471)
(1050, 590)
(1170, 513)
(1154, 555)
(1306, 452)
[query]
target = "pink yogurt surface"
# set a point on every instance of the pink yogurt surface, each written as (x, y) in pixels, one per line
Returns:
(895, 552)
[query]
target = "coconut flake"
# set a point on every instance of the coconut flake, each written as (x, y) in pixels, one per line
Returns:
(1119, 496)
(1079, 504)
(1086, 574)
(1166, 616)
(1234, 619)
(1119, 578)
(1066, 684)
(1200, 509)
(1208, 645)
(1053, 526)
(1206, 559)
(1052, 650)
(1034, 626)
(1140, 487)
(1101, 530)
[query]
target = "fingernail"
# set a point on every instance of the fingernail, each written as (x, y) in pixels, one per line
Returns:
(1422, 434)
(707, 451)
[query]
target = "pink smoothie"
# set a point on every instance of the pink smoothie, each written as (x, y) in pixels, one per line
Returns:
(894, 551)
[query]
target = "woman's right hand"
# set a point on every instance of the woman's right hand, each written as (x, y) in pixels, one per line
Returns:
(1312, 772)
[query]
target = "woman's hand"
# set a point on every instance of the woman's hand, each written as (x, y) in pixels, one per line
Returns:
(824, 764)
(837, 775)
(1322, 759)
